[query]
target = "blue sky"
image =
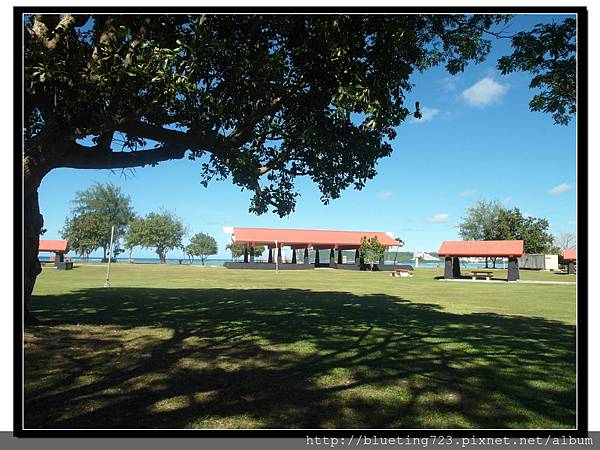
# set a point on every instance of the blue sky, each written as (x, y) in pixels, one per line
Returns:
(477, 140)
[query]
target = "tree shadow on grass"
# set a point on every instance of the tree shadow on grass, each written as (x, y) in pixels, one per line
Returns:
(233, 358)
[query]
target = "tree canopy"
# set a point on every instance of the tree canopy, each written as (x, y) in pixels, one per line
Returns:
(480, 221)
(371, 250)
(489, 220)
(255, 97)
(85, 232)
(202, 245)
(512, 224)
(96, 210)
(549, 53)
(162, 231)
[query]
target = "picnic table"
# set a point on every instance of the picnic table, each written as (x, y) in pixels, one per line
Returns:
(402, 271)
(479, 273)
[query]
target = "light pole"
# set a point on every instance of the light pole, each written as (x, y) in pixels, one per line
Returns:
(112, 233)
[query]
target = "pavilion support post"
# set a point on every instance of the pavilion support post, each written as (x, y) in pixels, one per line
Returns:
(381, 262)
(306, 257)
(332, 257)
(279, 255)
(340, 260)
(317, 262)
(571, 268)
(456, 267)
(251, 254)
(513, 269)
(246, 254)
(448, 272)
(293, 256)
(270, 256)
(357, 257)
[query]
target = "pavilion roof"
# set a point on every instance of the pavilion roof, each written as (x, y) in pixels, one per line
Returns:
(57, 246)
(482, 248)
(569, 255)
(319, 238)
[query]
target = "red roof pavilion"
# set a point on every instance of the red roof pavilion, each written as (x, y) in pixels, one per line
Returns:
(570, 255)
(56, 246)
(318, 239)
(497, 249)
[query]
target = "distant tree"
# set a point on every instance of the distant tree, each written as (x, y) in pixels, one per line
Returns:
(371, 250)
(85, 232)
(162, 231)
(133, 237)
(202, 245)
(479, 222)
(549, 53)
(566, 241)
(107, 204)
(511, 224)
(237, 250)
(489, 220)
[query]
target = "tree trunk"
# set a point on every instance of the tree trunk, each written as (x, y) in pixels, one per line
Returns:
(32, 226)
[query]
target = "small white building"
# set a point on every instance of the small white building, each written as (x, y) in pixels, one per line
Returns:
(538, 261)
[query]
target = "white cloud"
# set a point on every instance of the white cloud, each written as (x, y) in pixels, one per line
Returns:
(507, 200)
(384, 195)
(485, 92)
(572, 222)
(448, 84)
(427, 115)
(563, 187)
(438, 218)
(468, 192)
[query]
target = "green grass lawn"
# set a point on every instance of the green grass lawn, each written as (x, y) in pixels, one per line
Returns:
(198, 347)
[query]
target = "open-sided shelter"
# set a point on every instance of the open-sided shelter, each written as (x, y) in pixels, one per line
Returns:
(454, 250)
(277, 238)
(569, 257)
(59, 248)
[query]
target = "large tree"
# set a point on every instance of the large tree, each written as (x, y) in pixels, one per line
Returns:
(202, 245)
(105, 205)
(260, 99)
(85, 232)
(480, 220)
(549, 53)
(489, 220)
(512, 224)
(162, 231)
(133, 237)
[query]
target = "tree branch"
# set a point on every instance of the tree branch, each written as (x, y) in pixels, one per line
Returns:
(80, 157)
(40, 29)
(273, 164)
